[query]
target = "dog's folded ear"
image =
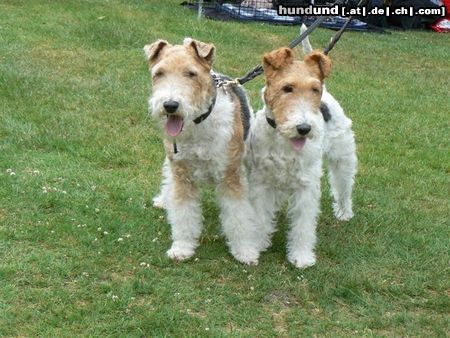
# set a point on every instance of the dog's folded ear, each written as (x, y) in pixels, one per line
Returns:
(319, 61)
(205, 51)
(278, 58)
(153, 51)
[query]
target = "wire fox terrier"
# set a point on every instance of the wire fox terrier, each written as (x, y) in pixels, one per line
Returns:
(299, 123)
(204, 139)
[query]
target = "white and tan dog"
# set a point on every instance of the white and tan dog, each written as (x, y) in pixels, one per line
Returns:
(205, 129)
(287, 141)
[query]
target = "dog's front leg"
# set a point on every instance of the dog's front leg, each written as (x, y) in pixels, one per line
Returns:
(184, 212)
(263, 199)
(238, 218)
(303, 212)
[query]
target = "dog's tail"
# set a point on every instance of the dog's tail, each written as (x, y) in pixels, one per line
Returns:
(307, 48)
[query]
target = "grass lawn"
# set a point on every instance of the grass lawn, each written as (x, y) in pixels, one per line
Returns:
(82, 251)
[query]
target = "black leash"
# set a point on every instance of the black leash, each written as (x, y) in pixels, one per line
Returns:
(338, 35)
(258, 70)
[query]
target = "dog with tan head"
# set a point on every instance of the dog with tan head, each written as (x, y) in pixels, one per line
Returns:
(204, 132)
(286, 147)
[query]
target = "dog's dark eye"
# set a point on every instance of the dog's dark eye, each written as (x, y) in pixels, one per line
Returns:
(191, 73)
(315, 90)
(288, 89)
(159, 73)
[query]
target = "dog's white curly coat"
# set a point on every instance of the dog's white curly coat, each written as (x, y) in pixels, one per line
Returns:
(278, 173)
(204, 149)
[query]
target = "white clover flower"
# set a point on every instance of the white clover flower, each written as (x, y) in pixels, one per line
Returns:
(120, 239)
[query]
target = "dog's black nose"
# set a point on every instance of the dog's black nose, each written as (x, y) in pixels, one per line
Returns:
(303, 128)
(170, 106)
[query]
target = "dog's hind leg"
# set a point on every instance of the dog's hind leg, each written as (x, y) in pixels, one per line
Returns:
(184, 213)
(342, 166)
(263, 199)
(239, 221)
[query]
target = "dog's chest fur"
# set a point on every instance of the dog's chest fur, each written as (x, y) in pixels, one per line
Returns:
(273, 161)
(204, 147)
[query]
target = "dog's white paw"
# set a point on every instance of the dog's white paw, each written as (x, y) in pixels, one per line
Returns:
(342, 214)
(303, 259)
(158, 202)
(246, 256)
(181, 251)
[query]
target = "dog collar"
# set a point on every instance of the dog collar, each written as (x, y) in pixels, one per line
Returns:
(271, 122)
(198, 120)
(205, 115)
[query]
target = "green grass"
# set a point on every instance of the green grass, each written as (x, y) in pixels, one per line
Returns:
(73, 103)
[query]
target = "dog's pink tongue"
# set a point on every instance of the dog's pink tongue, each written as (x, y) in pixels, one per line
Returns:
(174, 125)
(298, 143)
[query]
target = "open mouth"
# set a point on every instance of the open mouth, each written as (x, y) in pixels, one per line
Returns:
(298, 143)
(174, 125)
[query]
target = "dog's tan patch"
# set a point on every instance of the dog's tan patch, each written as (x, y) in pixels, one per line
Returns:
(288, 80)
(185, 188)
(232, 180)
